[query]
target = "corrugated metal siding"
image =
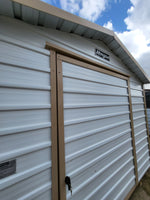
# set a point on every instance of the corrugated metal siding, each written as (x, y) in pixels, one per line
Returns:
(140, 130)
(25, 120)
(99, 157)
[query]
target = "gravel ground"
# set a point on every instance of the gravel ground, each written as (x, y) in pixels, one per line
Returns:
(142, 192)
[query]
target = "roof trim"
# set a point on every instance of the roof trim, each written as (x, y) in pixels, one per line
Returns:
(56, 12)
(52, 10)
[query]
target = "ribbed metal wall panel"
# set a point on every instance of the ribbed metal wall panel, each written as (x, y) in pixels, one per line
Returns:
(98, 143)
(140, 130)
(25, 120)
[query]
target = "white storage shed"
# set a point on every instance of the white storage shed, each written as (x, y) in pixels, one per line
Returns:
(71, 108)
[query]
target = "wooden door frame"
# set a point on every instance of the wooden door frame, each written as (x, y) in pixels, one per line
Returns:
(54, 148)
(61, 143)
(62, 54)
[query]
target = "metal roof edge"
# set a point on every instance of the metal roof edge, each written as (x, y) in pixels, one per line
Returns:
(57, 12)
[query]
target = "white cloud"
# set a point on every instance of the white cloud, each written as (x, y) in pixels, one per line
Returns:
(70, 5)
(137, 36)
(135, 41)
(91, 10)
(87, 9)
(108, 25)
(139, 16)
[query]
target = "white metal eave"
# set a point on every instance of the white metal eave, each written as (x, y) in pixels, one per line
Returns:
(42, 14)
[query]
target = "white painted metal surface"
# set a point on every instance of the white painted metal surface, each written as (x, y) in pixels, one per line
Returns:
(25, 121)
(140, 130)
(98, 149)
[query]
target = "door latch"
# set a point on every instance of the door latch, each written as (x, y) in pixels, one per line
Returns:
(68, 182)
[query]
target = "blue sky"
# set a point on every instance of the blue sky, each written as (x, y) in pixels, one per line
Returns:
(116, 12)
(129, 19)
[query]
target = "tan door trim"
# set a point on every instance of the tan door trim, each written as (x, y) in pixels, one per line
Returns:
(61, 145)
(54, 152)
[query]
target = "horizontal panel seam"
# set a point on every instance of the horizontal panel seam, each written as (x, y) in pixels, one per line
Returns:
(137, 103)
(24, 107)
(136, 89)
(94, 161)
(90, 148)
(74, 106)
(137, 134)
(23, 151)
(137, 126)
(95, 131)
(140, 167)
(93, 92)
(144, 170)
(21, 44)
(91, 133)
(15, 64)
(127, 184)
(141, 140)
(12, 130)
(137, 96)
(93, 81)
(138, 110)
(96, 175)
(24, 86)
(38, 191)
(97, 117)
(119, 182)
(140, 117)
(138, 151)
(142, 156)
(115, 184)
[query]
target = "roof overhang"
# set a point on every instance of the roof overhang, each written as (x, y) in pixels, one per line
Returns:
(39, 13)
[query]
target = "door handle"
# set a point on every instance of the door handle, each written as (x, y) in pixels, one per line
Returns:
(68, 183)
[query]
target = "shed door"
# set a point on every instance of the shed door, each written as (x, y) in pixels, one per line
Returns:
(95, 132)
